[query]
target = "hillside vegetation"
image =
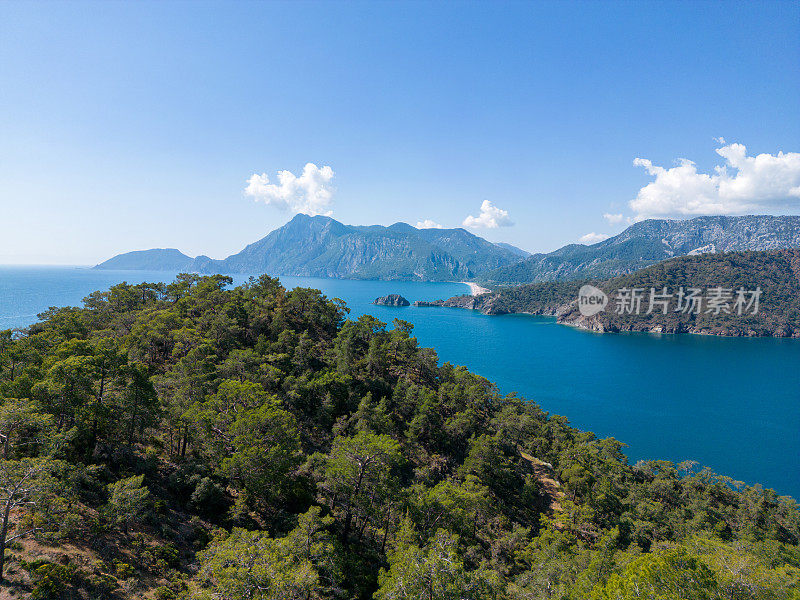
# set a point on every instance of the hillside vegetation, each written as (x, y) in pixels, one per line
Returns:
(195, 441)
(775, 273)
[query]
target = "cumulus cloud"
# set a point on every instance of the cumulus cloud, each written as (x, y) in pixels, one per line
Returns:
(428, 224)
(766, 182)
(613, 219)
(310, 193)
(491, 217)
(592, 238)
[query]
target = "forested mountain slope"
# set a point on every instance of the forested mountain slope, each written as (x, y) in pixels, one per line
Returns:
(775, 274)
(194, 441)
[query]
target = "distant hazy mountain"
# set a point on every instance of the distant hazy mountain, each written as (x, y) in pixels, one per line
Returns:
(649, 242)
(158, 259)
(323, 247)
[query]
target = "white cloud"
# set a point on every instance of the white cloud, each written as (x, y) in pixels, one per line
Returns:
(310, 193)
(428, 224)
(491, 217)
(592, 238)
(613, 219)
(766, 182)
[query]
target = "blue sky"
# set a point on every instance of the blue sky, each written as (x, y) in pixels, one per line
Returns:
(135, 125)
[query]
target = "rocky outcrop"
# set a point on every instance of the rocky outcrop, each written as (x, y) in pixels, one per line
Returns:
(486, 303)
(391, 300)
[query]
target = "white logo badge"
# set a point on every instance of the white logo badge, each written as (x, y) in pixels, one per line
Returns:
(591, 300)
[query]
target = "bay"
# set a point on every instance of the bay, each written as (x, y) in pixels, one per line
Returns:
(732, 404)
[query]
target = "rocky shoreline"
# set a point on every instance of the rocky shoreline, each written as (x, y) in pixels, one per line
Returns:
(568, 314)
(775, 274)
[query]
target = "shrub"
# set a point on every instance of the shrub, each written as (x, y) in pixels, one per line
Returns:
(124, 570)
(164, 593)
(103, 585)
(209, 498)
(31, 565)
(128, 499)
(51, 580)
(168, 553)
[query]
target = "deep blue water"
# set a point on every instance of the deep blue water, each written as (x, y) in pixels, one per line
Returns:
(731, 404)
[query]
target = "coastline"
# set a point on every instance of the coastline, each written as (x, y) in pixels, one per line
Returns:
(475, 289)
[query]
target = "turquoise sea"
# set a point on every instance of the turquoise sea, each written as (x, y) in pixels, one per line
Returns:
(731, 404)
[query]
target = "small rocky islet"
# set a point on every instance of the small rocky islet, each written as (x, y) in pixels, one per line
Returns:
(391, 300)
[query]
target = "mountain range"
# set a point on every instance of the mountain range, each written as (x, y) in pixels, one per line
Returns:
(323, 247)
(651, 241)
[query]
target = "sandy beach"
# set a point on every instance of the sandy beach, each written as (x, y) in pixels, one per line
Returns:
(475, 289)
